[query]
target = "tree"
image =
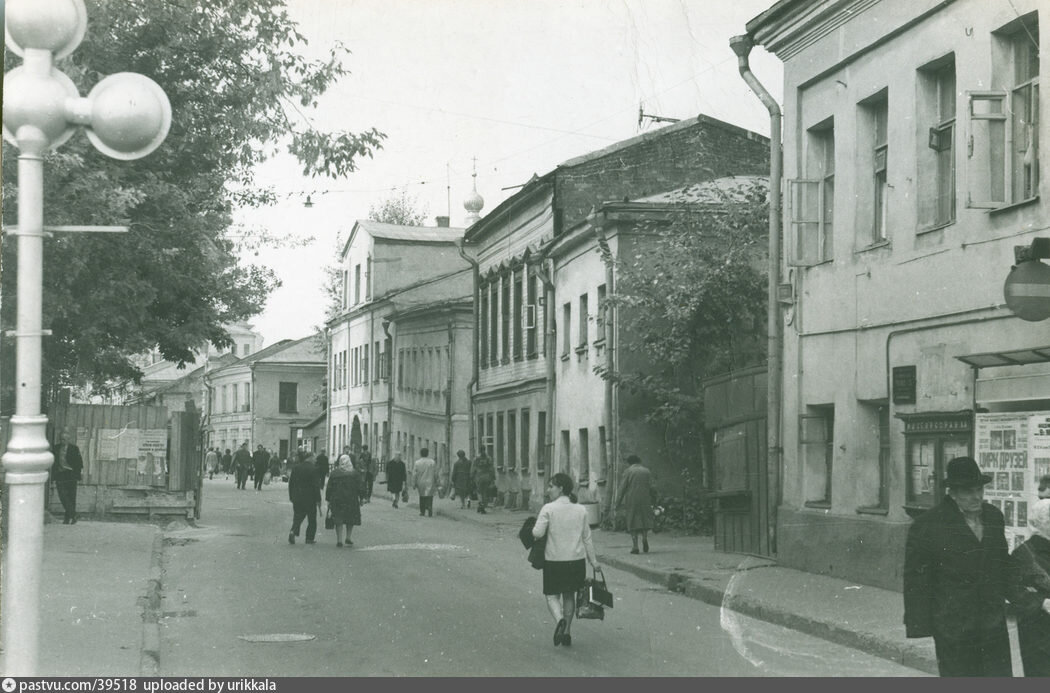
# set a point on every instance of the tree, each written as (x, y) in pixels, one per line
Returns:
(691, 304)
(400, 208)
(237, 86)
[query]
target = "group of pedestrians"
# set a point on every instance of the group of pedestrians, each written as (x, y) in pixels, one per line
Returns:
(473, 480)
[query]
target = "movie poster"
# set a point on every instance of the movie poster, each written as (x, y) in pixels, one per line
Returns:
(1007, 446)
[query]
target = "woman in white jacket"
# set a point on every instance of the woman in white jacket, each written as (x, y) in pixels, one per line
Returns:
(569, 549)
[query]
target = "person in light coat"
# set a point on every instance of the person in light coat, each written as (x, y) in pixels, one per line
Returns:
(1031, 597)
(424, 478)
(569, 549)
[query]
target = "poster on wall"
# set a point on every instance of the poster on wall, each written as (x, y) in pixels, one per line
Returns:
(152, 450)
(1015, 449)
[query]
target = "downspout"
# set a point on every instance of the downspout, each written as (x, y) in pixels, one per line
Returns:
(391, 387)
(448, 398)
(546, 276)
(472, 385)
(598, 224)
(371, 380)
(742, 46)
(328, 390)
(251, 404)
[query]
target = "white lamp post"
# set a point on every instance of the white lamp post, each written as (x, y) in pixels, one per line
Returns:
(127, 116)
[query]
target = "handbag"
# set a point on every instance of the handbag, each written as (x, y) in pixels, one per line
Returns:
(404, 496)
(329, 521)
(593, 598)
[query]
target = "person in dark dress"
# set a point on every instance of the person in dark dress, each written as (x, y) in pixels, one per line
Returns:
(227, 463)
(396, 476)
(304, 491)
(261, 464)
(957, 576)
(344, 499)
(483, 476)
(322, 467)
(1031, 598)
(635, 495)
(65, 474)
(461, 481)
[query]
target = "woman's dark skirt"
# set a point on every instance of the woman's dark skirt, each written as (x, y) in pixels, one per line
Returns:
(562, 577)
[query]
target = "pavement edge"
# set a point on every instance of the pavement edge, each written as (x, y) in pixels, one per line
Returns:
(149, 660)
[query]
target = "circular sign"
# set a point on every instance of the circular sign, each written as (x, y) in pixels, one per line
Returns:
(1027, 291)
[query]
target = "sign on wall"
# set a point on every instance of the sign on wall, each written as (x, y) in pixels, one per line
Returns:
(1015, 449)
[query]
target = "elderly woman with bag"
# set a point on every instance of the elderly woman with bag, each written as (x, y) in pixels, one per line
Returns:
(1032, 596)
(569, 549)
(344, 499)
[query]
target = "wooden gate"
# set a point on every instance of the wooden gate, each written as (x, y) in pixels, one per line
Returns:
(735, 416)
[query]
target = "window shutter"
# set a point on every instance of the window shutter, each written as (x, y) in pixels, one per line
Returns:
(804, 233)
(986, 149)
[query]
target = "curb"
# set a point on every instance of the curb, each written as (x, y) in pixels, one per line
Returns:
(149, 659)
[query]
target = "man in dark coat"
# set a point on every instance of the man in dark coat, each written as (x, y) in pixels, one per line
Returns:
(322, 467)
(65, 473)
(261, 462)
(242, 461)
(304, 490)
(227, 463)
(367, 464)
(396, 475)
(957, 575)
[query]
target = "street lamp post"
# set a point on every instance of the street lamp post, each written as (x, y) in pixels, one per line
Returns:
(127, 116)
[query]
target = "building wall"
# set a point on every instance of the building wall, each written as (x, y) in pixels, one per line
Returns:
(230, 424)
(923, 297)
(271, 425)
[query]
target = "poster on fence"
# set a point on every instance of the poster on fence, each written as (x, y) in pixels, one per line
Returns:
(1013, 448)
(152, 450)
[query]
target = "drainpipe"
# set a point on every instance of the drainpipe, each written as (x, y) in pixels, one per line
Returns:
(371, 381)
(472, 385)
(328, 391)
(545, 272)
(391, 387)
(742, 46)
(611, 459)
(448, 397)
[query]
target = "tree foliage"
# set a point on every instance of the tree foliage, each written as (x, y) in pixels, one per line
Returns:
(691, 304)
(239, 88)
(400, 208)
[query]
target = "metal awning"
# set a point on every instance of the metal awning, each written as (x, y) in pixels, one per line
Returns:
(1021, 357)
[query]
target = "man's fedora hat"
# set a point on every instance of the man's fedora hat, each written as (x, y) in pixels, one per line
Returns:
(963, 471)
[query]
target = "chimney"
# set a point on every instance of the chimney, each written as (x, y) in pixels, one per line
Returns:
(442, 222)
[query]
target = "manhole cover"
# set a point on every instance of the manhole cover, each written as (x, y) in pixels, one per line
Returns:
(277, 637)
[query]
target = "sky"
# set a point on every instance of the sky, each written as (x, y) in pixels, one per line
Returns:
(506, 88)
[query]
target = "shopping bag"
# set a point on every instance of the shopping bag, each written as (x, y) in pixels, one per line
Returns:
(329, 521)
(266, 478)
(593, 598)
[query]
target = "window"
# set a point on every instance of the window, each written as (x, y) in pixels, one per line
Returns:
(401, 369)
(357, 284)
(565, 461)
(236, 399)
(378, 367)
(583, 316)
(364, 364)
(566, 339)
(525, 432)
(494, 323)
(483, 331)
(600, 315)
(512, 440)
(490, 446)
(505, 313)
(817, 438)
(368, 278)
(873, 154)
(532, 315)
(541, 441)
(1003, 148)
(585, 456)
(519, 309)
(936, 160)
(813, 200)
(388, 354)
(346, 289)
(500, 458)
(287, 398)
(603, 454)
(247, 397)
(225, 395)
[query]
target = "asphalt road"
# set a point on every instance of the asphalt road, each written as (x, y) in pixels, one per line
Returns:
(432, 597)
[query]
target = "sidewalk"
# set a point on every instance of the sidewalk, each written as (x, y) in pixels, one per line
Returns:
(858, 616)
(99, 595)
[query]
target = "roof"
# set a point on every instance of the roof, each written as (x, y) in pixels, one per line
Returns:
(717, 191)
(220, 361)
(402, 233)
(275, 348)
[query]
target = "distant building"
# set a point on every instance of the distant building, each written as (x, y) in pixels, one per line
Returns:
(156, 371)
(266, 397)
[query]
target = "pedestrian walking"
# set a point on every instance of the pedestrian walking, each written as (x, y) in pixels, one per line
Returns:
(1031, 597)
(396, 478)
(569, 549)
(211, 462)
(957, 575)
(227, 463)
(242, 464)
(461, 479)
(322, 467)
(261, 465)
(424, 478)
(344, 499)
(367, 465)
(65, 475)
(483, 474)
(635, 496)
(304, 491)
